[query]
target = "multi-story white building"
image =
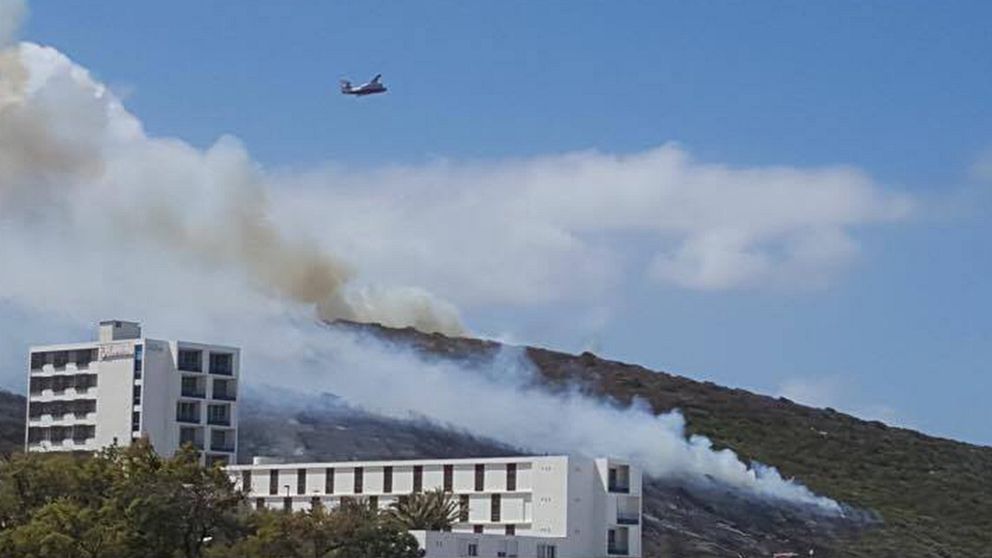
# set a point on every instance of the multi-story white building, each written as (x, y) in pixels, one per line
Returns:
(535, 507)
(87, 396)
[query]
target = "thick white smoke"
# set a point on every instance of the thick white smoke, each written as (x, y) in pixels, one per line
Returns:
(100, 220)
(502, 399)
(68, 146)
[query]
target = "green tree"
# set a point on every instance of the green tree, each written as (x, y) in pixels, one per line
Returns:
(429, 511)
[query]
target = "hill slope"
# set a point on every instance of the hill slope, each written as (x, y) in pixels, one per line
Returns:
(934, 495)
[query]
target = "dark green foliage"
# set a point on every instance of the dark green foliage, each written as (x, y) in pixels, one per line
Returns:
(435, 510)
(353, 530)
(131, 503)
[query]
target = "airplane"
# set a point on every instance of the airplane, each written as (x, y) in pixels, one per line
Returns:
(370, 88)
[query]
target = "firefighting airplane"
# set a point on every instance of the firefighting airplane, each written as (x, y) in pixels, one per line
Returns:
(370, 88)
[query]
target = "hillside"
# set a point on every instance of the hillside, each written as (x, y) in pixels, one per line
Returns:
(933, 496)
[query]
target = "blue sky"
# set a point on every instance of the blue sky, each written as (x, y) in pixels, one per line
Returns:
(897, 90)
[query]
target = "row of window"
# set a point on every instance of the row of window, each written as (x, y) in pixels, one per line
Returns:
(218, 414)
(220, 440)
(193, 386)
(78, 433)
(58, 384)
(387, 477)
(59, 359)
(78, 407)
(191, 360)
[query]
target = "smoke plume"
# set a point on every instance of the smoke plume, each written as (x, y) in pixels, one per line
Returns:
(98, 220)
(67, 145)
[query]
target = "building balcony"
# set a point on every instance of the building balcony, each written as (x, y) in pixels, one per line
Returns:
(190, 392)
(615, 550)
(189, 419)
(223, 396)
(620, 488)
(628, 519)
(219, 421)
(226, 447)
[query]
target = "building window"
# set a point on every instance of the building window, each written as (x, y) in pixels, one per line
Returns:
(190, 387)
(219, 414)
(246, 481)
(511, 477)
(190, 360)
(222, 363)
(82, 432)
(138, 354)
(315, 502)
(187, 411)
(60, 359)
(418, 478)
(480, 477)
(83, 358)
(189, 435)
(359, 480)
(463, 508)
(387, 479)
(546, 550)
(259, 504)
(619, 479)
(38, 360)
(224, 389)
(135, 421)
(511, 530)
(301, 481)
(374, 502)
(287, 503)
(329, 481)
(473, 548)
(449, 478)
(273, 482)
(136, 394)
(494, 506)
(477, 529)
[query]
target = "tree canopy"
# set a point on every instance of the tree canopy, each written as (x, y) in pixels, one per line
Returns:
(130, 503)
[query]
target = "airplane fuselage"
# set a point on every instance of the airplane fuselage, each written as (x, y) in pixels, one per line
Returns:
(364, 90)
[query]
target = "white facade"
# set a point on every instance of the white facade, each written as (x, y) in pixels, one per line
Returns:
(87, 396)
(536, 507)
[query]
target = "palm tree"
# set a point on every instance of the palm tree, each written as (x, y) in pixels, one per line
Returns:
(426, 511)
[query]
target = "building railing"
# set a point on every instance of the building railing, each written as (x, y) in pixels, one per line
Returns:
(219, 421)
(621, 488)
(190, 392)
(193, 419)
(628, 519)
(195, 443)
(617, 550)
(222, 446)
(223, 396)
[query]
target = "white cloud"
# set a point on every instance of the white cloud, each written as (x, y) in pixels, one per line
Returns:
(570, 226)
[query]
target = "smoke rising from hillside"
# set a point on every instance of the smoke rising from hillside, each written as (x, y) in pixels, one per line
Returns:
(100, 220)
(68, 146)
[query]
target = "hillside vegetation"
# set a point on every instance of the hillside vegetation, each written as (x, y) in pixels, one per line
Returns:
(933, 496)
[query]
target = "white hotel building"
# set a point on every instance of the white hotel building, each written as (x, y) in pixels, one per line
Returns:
(85, 396)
